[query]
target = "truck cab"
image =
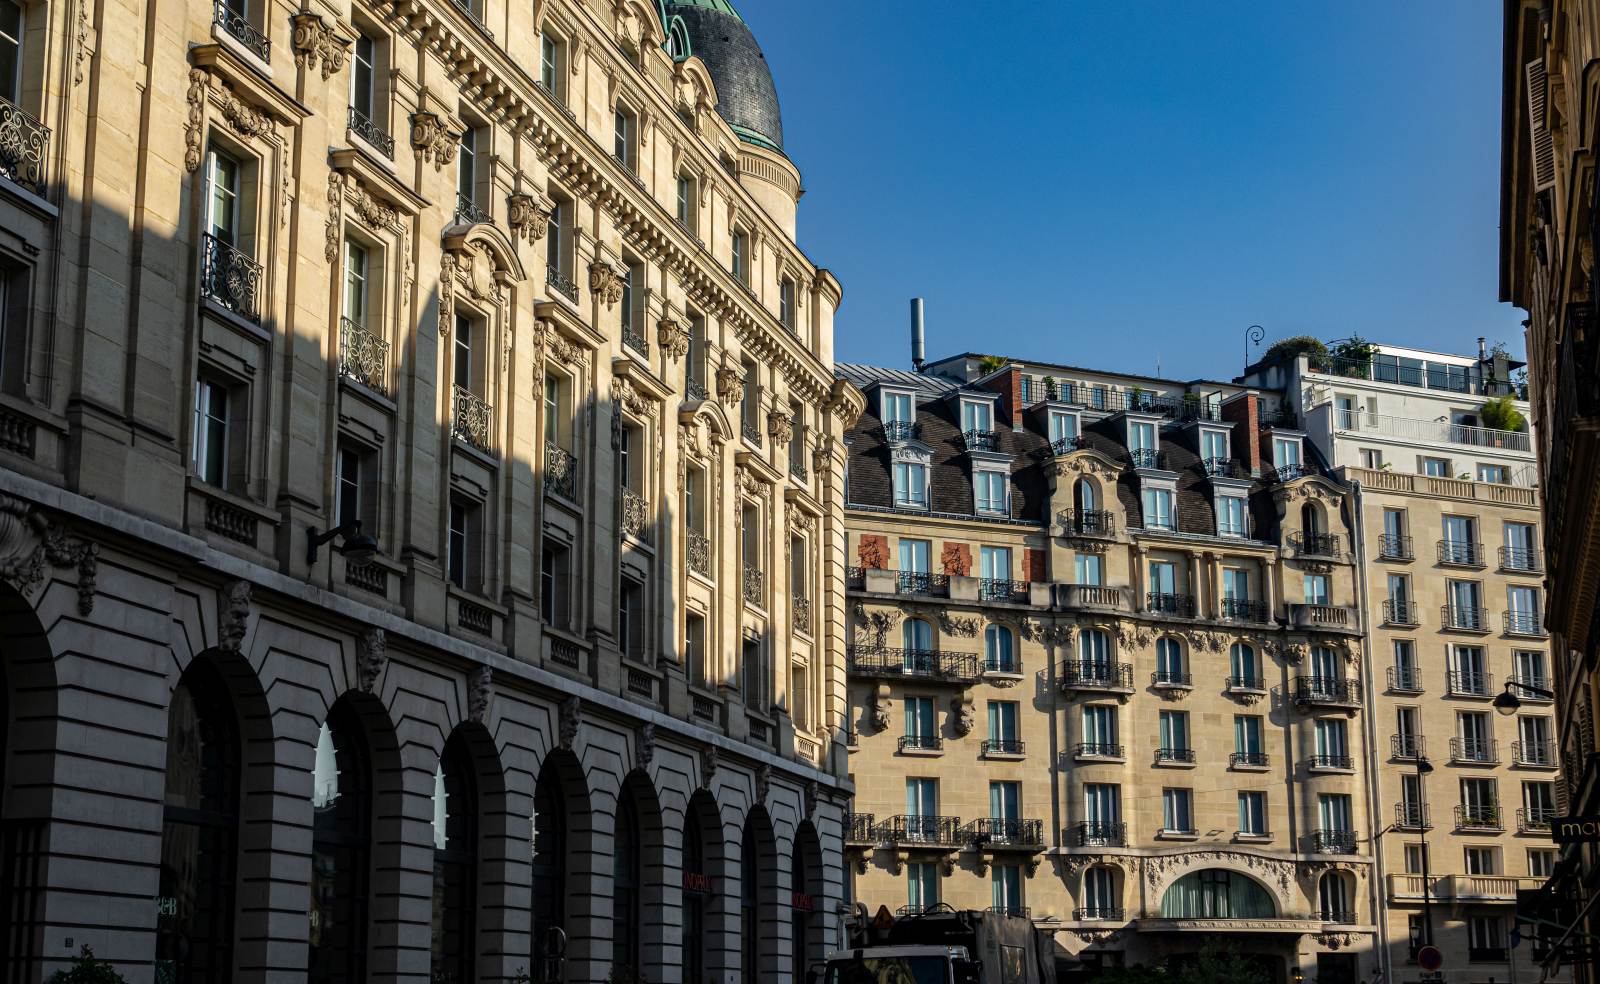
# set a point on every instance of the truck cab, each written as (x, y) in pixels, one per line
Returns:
(901, 965)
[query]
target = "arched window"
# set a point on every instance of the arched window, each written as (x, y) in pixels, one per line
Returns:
(626, 881)
(200, 831)
(455, 863)
(696, 889)
(1100, 899)
(1094, 649)
(1334, 898)
(999, 650)
(1242, 664)
(1311, 519)
(916, 637)
(1083, 497)
(549, 861)
(1169, 662)
(1216, 894)
(341, 830)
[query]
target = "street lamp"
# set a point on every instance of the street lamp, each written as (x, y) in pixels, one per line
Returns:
(358, 548)
(1424, 767)
(1254, 334)
(1507, 701)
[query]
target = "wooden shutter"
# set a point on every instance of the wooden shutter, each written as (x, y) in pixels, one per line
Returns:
(1544, 155)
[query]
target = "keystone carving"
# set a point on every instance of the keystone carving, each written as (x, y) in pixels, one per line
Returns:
(674, 338)
(431, 138)
(372, 656)
(233, 615)
(529, 216)
(708, 766)
(314, 41)
(605, 282)
(29, 543)
(644, 749)
(880, 707)
(811, 793)
(962, 715)
(480, 692)
(571, 721)
(763, 783)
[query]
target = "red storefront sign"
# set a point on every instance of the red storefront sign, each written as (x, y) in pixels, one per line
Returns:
(694, 881)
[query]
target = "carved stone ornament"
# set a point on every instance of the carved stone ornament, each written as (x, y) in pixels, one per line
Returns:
(812, 792)
(822, 453)
(626, 395)
(432, 139)
(962, 715)
(241, 117)
(644, 747)
(1335, 941)
(480, 692)
(674, 338)
(963, 626)
(880, 707)
(1056, 635)
(372, 656)
(763, 783)
(730, 385)
(605, 283)
(559, 347)
(571, 721)
(874, 626)
(1271, 870)
(529, 216)
(29, 542)
(781, 426)
(233, 615)
(708, 766)
(314, 41)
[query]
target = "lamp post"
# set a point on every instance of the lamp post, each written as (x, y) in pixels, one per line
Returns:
(1507, 701)
(1423, 768)
(358, 548)
(1254, 334)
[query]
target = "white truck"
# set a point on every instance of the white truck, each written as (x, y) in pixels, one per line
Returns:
(943, 946)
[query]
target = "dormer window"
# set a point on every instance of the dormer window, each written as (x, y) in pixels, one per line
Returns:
(991, 493)
(1286, 457)
(977, 425)
(910, 485)
(1231, 516)
(1214, 445)
(1143, 443)
(1158, 509)
(1063, 431)
(899, 414)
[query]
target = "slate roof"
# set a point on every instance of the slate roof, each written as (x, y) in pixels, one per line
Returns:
(746, 95)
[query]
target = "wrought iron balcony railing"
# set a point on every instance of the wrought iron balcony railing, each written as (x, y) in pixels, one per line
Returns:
(376, 137)
(1100, 833)
(1522, 559)
(1336, 916)
(1183, 756)
(1412, 816)
(239, 27)
(1002, 589)
(1467, 683)
(695, 389)
(1479, 818)
(1163, 603)
(1315, 544)
(1535, 820)
(1536, 753)
(1002, 663)
(981, 440)
(749, 430)
(1003, 746)
(922, 583)
(1066, 445)
(1541, 685)
(1250, 683)
(1097, 749)
(1333, 841)
(921, 743)
(1394, 547)
(1524, 624)
(561, 284)
(1248, 758)
(363, 356)
(633, 336)
(1325, 761)
(883, 661)
(698, 546)
(24, 148)
(469, 212)
(1407, 746)
(800, 613)
(1291, 472)
(230, 278)
(560, 471)
(855, 577)
(1465, 619)
(1404, 679)
(1088, 522)
(862, 828)
(916, 829)
(1171, 678)
(755, 586)
(473, 420)
(1148, 458)
(1221, 468)
(1460, 553)
(895, 431)
(1096, 675)
(1480, 751)
(1327, 690)
(1098, 913)
(1397, 611)
(636, 515)
(1244, 610)
(1006, 832)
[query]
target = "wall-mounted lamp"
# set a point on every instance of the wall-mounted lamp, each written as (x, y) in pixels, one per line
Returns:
(357, 547)
(1507, 702)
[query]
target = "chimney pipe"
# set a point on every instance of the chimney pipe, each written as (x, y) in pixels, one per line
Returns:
(918, 350)
(1483, 350)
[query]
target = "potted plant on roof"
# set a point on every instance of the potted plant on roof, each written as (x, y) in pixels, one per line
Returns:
(1501, 414)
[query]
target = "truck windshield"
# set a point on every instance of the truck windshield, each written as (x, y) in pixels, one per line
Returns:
(889, 970)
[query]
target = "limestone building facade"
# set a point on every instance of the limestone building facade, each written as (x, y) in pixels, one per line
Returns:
(507, 297)
(1450, 548)
(1547, 267)
(1105, 666)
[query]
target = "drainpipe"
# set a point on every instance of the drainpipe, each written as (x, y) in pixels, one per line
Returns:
(1375, 882)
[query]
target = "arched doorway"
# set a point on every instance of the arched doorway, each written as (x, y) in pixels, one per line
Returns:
(702, 857)
(758, 893)
(341, 835)
(200, 831)
(27, 750)
(560, 826)
(806, 906)
(455, 864)
(627, 884)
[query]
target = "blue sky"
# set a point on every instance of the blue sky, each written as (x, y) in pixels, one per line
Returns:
(1114, 184)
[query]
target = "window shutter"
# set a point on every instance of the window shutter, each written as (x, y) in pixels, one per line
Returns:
(1544, 155)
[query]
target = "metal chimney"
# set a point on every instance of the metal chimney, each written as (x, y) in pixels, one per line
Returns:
(918, 347)
(1483, 350)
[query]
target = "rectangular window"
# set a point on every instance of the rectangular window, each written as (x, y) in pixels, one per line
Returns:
(694, 648)
(1005, 800)
(14, 305)
(11, 51)
(555, 242)
(994, 563)
(355, 486)
(212, 432)
(1230, 515)
(363, 61)
(1177, 817)
(1174, 726)
(752, 662)
(631, 308)
(1333, 746)
(1494, 474)
(1481, 861)
(466, 544)
(1141, 437)
(555, 410)
(1102, 803)
(1214, 445)
(222, 198)
(914, 556)
(1088, 569)
(922, 797)
(469, 346)
(1372, 459)
(976, 417)
(1158, 509)
(1286, 452)
(740, 256)
(622, 138)
(897, 408)
(555, 586)
(922, 885)
(687, 200)
(1163, 577)
(1541, 862)
(920, 721)
(992, 492)
(631, 621)
(1235, 584)
(1100, 730)
(1063, 427)
(467, 166)
(910, 485)
(1003, 720)
(1005, 888)
(1436, 467)
(1415, 853)
(1253, 813)
(355, 283)
(1333, 812)
(786, 303)
(1316, 589)
(550, 51)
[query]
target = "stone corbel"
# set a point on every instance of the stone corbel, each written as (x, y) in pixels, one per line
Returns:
(673, 336)
(315, 41)
(962, 714)
(529, 216)
(433, 138)
(605, 282)
(730, 384)
(781, 426)
(880, 707)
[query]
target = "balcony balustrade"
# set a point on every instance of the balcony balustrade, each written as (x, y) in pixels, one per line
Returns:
(1540, 685)
(1333, 841)
(698, 547)
(1337, 916)
(924, 664)
(1315, 544)
(1322, 617)
(1245, 610)
(633, 337)
(561, 284)
(1096, 675)
(1522, 560)
(1394, 547)
(898, 431)
(855, 578)
(229, 278)
(1541, 754)
(1171, 678)
(922, 583)
(1221, 468)
(981, 440)
(1467, 683)
(800, 613)
(472, 420)
(1397, 611)
(1528, 624)
(1088, 522)
(1483, 818)
(1327, 761)
(1464, 619)
(1248, 758)
(1291, 471)
(921, 743)
(1163, 603)
(1002, 589)
(636, 516)
(560, 471)
(695, 389)
(919, 830)
(1006, 832)
(1411, 816)
(363, 356)
(1096, 750)
(1460, 553)
(1099, 913)
(1253, 684)
(1066, 445)
(24, 148)
(373, 134)
(235, 22)
(1404, 679)
(1326, 690)
(1407, 746)
(1150, 458)
(1099, 833)
(755, 586)
(1003, 746)
(861, 828)
(469, 212)
(1535, 820)
(1176, 756)
(1474, 751)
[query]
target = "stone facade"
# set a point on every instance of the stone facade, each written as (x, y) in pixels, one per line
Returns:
(1096, 677)
(464, 274)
